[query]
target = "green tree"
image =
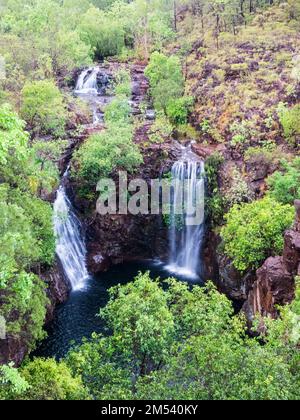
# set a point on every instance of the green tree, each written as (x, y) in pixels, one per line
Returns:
(166, 79)
(11, 382)
(178, 110)
(43, 107)
(105, 36)
(178, 342)
(45, 157)
(26, 235)
(102, 153)
(138, 314)
(254, 231)
(45, 379)
(13, 139)
(285, 185)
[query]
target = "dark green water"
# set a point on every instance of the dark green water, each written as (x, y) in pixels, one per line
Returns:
(77, 318)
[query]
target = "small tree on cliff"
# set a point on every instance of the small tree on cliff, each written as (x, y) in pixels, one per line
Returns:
(43, 107)
(254, 231)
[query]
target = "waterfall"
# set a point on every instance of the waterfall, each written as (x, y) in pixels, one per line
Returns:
(91, 87)
(185, 236)
(70, 246)
(87, 81)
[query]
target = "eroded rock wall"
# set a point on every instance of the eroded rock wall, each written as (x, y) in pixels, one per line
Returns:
(275, 280)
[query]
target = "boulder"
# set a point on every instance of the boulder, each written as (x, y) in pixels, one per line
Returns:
(58, 288)
(204, 151)
(231, 282)
(13, 349)
(291, 252)
(274, 286)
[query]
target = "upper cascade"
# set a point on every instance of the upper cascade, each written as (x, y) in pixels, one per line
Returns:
(87, 81)
(92, 86)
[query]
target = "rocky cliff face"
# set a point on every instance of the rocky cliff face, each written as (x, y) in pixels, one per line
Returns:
(58, 289)
(275, 280)
(113, 239)
(261, 291)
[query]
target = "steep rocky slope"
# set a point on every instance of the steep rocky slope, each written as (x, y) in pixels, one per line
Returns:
(239, 86)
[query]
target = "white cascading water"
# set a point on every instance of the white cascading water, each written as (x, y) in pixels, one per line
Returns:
(87, 81)
(91, 87)
(70, 246)
(185, 239)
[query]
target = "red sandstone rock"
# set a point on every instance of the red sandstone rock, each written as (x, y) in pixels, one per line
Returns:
(205, 151)
(274, 286)
(275, 280)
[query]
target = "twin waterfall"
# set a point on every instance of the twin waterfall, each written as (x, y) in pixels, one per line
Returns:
(185, 239)
(186, 235)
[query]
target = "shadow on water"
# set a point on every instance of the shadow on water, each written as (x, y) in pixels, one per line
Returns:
(77, 318)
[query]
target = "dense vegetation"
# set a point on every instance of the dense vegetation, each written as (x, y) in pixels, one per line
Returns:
(26, 233)
(225, 73)
(255, 231)
(169, 344)
(113, 148)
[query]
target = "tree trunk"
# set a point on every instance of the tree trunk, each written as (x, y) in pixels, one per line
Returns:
(175, 15)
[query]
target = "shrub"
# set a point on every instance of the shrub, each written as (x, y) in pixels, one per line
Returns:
(161, 129)
(239, 191)
(123, 83)
(166, 79)
(118, 111)
(290, 121)
(43, 107)
(104, 152)
(50, 380)
(285, 185)
(178, 109)
(241, 132)
(254, 231)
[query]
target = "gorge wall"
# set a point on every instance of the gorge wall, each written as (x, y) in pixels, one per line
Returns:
(113, 239)
(275, 280)
(260, 291)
